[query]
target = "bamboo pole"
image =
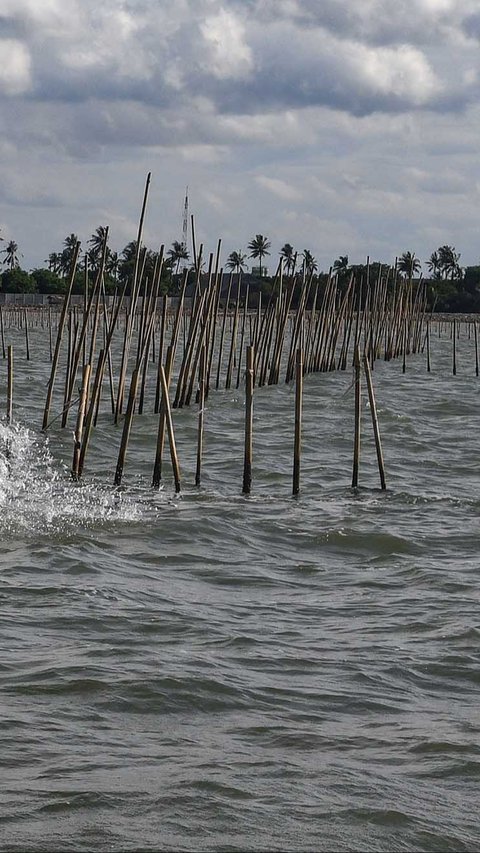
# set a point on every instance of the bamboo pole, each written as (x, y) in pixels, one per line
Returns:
(160, 352)
(248, 452)
(201, 405)
(297, 446)
(222, 333)
(242, 336)
(9, 383)
(376, 428)
(127, 424)
(61, 325)
(166, 415)
(2, 332)
(79, 424)
(133, 303)
(233, 339)
(91, 413)
(454, 349)
(475, 333)
(27, 343)
(358, 414)
(49, 332)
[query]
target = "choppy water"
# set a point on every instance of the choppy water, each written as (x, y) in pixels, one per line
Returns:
(213, 672)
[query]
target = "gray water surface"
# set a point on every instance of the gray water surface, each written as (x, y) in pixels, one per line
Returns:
(206, 671)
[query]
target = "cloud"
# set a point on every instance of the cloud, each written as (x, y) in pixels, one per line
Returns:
(228, 55)
(278, 188)
(244, 57)
(14, 68)
(271, 110)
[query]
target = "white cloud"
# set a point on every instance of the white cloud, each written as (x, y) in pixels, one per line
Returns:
(271, 110)
(227, 55)
(278, 188)
(15, 76)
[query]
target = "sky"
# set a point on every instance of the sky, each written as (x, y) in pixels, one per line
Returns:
(344, 127)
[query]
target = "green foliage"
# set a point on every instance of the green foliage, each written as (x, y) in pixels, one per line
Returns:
(18, 281)
(259, 248)
(236, 261)
(47, 281)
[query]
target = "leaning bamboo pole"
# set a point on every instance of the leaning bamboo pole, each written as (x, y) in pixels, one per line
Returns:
(79, 424)
(376, 428)
(133, 303)
(81, 344)
(61, 326)
(222, 334)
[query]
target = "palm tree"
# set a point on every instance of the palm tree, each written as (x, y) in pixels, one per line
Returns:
(112, 264)
(409, 264)
(434, 265)
(449, 259)
(54, 262)
(311, 265)
(97, 241)
(70, 244)
(177, 253)
(287, 252)
(236, 261)
(341, 264)
(259, 247)
(11, 256)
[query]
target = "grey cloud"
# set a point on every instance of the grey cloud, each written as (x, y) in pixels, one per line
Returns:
(309, 54)
(471, 26)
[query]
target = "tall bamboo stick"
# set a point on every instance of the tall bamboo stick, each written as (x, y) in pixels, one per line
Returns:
(61, 326)
(297, 446)
(248, 451)
(358, 413)
(376, 428)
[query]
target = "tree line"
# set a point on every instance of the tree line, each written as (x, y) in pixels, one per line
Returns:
(450, 286)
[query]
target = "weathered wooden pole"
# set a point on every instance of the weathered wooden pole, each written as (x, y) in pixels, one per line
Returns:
(454, 352)
(166, 416)
(358, 415)
(127, 425)
(247, 460)
(49, 332)
(157, 466)
(428, 347)
(297, 447)
(9, 383)
(475, 334)
(79, 424)
(88, 424)
(376, 428)
(201, 405)
(3, 333)
(61, 325)
(27, 343)
(136, 279)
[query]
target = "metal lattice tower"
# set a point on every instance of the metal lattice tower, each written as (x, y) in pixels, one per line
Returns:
(185, 221)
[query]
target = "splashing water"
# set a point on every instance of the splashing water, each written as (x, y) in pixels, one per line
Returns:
(37, 495)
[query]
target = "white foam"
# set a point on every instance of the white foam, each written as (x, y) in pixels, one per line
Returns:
(37, 494)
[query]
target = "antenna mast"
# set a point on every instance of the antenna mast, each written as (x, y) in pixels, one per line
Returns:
(185, 221)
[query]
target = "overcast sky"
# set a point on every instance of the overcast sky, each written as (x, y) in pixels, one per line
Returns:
(341, 126)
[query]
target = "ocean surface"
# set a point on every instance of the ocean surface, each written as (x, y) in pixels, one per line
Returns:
(213, 672)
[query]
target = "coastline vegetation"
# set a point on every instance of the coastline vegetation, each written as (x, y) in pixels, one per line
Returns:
(450, 287)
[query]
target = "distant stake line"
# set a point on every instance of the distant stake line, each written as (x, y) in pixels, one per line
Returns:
(235, 337)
